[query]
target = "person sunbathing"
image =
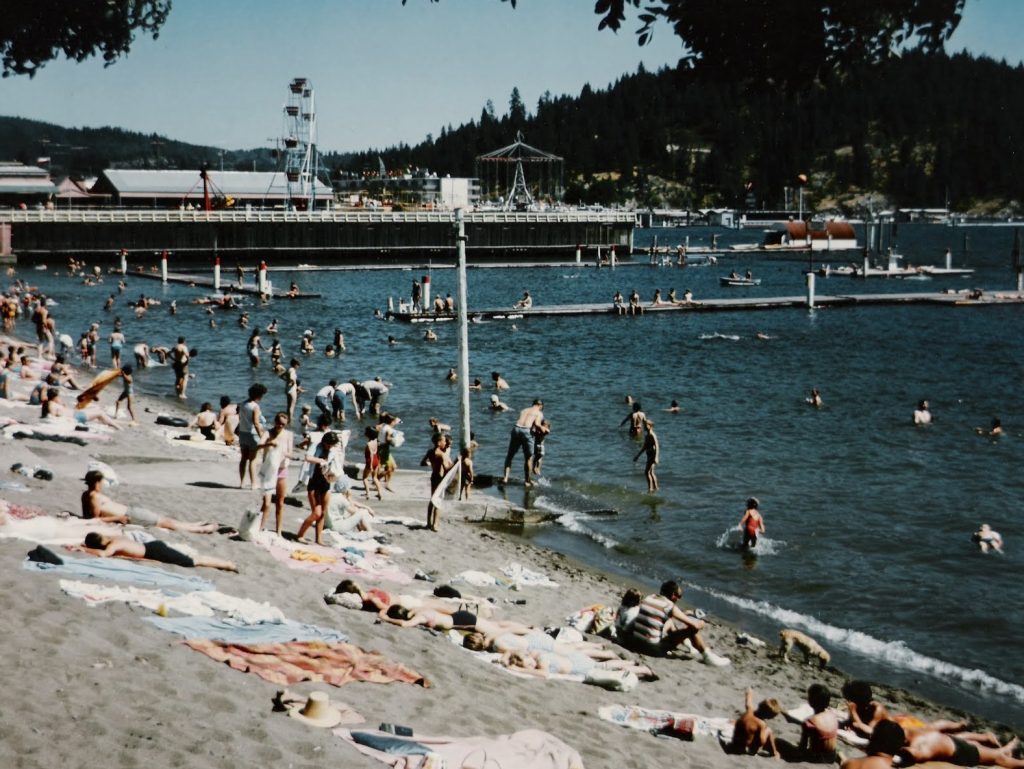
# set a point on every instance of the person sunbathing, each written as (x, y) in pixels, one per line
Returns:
(460, 619)
(96, 504)
(156, 550)
(544, 664)
(883, 745)
(965, 749)
(866, 713)
(535, 640)
(377, 600)
(53, 408)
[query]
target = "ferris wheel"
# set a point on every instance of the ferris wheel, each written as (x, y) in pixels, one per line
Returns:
(300, 156)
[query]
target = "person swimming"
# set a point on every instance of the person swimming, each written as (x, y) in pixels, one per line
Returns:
(988, 540)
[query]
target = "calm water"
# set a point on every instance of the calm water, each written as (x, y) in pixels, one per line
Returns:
(868, 519)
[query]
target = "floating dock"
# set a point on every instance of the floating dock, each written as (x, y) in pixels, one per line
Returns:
(960, 299)
(235, 288)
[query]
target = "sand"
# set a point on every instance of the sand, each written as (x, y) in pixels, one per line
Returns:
(98, 686)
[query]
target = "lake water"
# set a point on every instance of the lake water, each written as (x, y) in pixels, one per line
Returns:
(868, 518)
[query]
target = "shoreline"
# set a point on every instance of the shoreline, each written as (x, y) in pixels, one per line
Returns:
(154, 700)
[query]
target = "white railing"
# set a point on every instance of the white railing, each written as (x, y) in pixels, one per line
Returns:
(177, 216)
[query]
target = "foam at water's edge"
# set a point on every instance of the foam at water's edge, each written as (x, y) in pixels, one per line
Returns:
(575, 522)
(895, 653)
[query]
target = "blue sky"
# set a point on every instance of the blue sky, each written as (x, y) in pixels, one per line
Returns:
(382, 73)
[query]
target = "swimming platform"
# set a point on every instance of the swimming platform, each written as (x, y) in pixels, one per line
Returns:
(236, 288)
(821, 301)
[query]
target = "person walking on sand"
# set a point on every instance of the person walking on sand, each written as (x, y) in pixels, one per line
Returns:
(752, 523)
(521, 438)
(250, 432)
(327, 466)
(127, 390)
(653, 451)
(440, 462)
(97, 505)
(371, 463)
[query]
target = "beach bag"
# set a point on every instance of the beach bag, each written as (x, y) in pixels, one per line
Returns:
(612, 680)
(249, 525)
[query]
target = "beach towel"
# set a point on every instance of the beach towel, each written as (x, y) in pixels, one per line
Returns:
(96, 386)
(520, 576)
(48, 530)
(531, 748)
(199, 603)
(18, 510)
(648, 720)
(309, 557)
(120, 570)
(289, 663)
(235, 632)
(447, 490)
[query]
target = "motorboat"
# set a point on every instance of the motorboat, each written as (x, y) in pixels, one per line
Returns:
(738, 281)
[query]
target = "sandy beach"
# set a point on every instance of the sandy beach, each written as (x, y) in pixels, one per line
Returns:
(93, 685)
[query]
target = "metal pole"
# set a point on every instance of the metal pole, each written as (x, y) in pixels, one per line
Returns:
(163, 267)
(464, 426)
(810, 290)
(216, 274)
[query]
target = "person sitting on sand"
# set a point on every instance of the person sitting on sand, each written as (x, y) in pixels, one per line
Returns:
(543, 664)
(96, 504)
(818, 734)
(661, 626)
(54, 408)
(751, 733)
(205, 421)
(157, 550)
(346, 514)
(883, 745)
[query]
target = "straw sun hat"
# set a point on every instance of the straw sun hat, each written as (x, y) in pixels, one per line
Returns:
(316, 711)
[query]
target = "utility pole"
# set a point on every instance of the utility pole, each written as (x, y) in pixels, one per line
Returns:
(464, 426)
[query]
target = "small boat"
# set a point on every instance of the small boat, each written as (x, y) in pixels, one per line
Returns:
(732, 282)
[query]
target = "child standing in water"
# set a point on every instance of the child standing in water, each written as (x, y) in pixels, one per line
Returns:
(653, 451)
(466, 471)
(752, 523)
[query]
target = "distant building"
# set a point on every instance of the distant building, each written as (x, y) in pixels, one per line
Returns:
(75, 193)
(24, 186)
(184, 189)
(418, 190)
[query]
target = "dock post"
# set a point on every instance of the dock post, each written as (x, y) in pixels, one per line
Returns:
(810, 290)
(464, 426)
(261, 279)
(1018, 264)
(611, 259)
(124, 261)
(949, 258)
(865, 273)
(216, 274)
(425, 305)
(391, 304)
(163, 266)
(579, 253)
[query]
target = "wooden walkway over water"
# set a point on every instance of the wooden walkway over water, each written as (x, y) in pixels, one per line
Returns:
(207, 283)
(821, 301)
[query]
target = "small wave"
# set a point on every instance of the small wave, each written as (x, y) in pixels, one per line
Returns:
(895, 653)
(716, 335)
(576, 522)
(732, 539)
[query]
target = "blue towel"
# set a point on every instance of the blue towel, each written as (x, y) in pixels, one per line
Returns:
(230, 631)
(120, 570)
(385, 743)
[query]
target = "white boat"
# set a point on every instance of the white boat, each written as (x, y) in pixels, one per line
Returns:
(738, 281)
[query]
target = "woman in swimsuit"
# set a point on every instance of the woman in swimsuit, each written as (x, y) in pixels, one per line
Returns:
(543, 664)
(250, 432)
(253, 347)
(371, 463)
(326, 468)
(206, 422)
(274, 477)
(432, 619)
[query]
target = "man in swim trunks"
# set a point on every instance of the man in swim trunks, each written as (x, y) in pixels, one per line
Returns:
(96, 504)
(883, 745)
(155, 550)
(931, 745)
(180, 357)
(661, 626)
(521, 438)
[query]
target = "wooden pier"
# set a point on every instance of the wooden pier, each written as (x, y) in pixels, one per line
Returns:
(207, 283)
(821, 301)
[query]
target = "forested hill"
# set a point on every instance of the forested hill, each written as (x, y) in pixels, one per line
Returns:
(921, 131)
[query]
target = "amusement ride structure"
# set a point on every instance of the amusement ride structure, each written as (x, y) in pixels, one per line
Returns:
(503, 175)
(301, 161)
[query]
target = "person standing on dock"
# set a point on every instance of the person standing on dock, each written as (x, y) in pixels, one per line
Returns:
(416, 295)
(521, 438)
